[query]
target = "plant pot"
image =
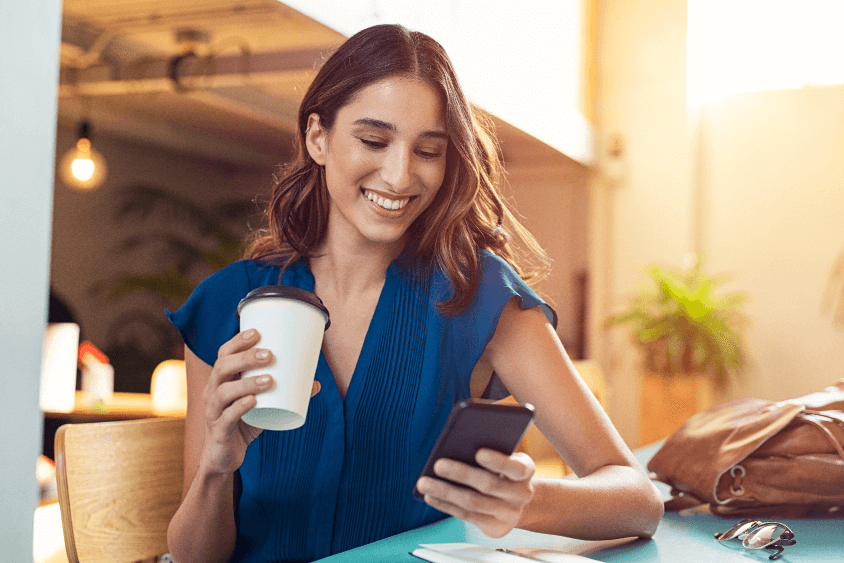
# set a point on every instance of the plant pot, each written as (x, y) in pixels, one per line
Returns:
(669, 400)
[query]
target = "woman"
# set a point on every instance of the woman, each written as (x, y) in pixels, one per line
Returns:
(391, 213)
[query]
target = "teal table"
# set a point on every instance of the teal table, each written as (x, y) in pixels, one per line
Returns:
(685, 537)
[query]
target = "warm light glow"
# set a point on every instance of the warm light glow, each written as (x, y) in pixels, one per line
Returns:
(82, 166)
(753, 45)
(58, 367)
(169, 388)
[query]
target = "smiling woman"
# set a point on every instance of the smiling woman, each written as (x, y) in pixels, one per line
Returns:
(384, 159)
(392, 214)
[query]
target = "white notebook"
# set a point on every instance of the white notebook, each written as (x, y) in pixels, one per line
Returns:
(467, 552)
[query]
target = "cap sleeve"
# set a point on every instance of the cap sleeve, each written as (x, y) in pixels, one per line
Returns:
(475, 326)
(208, 319)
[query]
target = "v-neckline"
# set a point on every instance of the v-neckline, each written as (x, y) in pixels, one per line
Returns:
(373, 333)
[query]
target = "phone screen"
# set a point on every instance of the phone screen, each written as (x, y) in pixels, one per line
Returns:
(475, 424)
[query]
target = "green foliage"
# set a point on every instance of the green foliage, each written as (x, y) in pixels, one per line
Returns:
(187, 260)
(683, 325)
(190, 241)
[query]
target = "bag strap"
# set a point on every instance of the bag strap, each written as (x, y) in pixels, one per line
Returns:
(810, 417)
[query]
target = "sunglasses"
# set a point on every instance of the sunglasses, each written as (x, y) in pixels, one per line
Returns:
(760, 535)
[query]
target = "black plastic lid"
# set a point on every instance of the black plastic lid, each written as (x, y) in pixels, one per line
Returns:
(285, 292)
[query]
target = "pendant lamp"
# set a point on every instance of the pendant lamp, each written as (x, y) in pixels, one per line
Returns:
(83, 168)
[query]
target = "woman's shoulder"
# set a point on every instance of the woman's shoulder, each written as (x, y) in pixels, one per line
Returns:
(498, 283)
(244, 274)
(494, 272)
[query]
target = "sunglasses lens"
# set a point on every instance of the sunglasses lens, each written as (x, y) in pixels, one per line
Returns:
(737, 530)
(762, 536)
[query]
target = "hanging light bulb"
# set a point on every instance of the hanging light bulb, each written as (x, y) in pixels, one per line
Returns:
(83, 168)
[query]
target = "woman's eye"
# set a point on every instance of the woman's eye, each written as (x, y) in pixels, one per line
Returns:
(373, 144)
(429, 155)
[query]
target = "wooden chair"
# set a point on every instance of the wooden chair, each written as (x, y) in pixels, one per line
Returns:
(119, 485)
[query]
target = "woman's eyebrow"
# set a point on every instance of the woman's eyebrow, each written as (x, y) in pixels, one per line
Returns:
(379, 124)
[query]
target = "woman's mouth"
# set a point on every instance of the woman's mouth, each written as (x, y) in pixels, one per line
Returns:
(385, 203)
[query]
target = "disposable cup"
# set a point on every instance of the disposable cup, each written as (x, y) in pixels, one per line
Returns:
(291, 322)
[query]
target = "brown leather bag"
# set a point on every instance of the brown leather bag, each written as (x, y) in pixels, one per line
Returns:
(754, 457)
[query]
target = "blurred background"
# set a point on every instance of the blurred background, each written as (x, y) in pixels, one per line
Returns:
(701, 137)
(633, 134)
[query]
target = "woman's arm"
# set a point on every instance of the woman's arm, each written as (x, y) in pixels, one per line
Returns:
(613, 496)
(203, 528)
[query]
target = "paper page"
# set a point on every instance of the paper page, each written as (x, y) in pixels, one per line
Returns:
(466, 552)
(462, 553)
(549, 555)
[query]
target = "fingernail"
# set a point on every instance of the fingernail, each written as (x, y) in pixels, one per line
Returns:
(483, 456)
(249, 334)
(262, 354)
(263, 381)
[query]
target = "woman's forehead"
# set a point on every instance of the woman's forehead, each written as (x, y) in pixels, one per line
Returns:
(397, 103)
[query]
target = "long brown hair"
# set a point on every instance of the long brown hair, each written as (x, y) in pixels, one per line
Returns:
(469, 211)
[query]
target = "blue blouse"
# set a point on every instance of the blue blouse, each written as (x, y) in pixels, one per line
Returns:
(345, 478)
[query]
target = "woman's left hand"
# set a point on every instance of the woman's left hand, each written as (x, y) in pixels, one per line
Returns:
(498, 494)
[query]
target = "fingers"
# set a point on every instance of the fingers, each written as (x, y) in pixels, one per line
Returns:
(315, 388)
(231, 414)
(493, 483)
(225, 385)
(516, 467)
(240, 342)
(230, 391)
(237, 355)
(493, 496)
(494, 516)
(491, 526)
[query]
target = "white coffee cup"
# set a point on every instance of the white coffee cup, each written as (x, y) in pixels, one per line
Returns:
(291, 322)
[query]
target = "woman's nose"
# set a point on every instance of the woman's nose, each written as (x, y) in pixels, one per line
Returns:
(397, 170)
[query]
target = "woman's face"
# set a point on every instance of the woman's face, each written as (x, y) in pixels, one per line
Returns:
(384, 158)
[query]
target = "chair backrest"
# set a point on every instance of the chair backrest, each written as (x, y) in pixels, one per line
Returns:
(119, 485)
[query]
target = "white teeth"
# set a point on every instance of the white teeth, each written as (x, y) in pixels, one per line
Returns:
(384, 202)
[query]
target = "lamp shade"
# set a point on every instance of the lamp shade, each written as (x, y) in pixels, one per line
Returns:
(169, 388)
(58, 367)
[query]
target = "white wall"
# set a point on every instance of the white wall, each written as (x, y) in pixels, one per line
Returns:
(517, 60)
(755, 184)
(552, 200)
(29, 40)
(773, 181)
(645, 215)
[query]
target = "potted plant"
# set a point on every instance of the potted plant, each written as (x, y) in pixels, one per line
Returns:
(690, 338)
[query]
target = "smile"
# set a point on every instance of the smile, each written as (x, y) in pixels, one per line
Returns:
(383, 202)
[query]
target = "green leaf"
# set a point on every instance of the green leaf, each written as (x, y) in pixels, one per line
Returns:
(682, 317)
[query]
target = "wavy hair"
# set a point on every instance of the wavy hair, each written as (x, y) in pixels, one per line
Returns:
(468, 213)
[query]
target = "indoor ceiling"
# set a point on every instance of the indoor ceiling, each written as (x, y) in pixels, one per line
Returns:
(217, 78)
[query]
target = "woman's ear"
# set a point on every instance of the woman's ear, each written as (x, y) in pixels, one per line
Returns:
(315, 139)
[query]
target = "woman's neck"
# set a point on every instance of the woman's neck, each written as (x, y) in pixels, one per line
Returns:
(346, 268)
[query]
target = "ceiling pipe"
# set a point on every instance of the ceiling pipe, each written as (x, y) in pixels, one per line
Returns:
(262, 68)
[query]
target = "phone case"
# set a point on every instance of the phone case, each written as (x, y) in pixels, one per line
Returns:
(475, 424)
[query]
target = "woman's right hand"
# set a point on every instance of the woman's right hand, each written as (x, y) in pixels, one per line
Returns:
(227, 397)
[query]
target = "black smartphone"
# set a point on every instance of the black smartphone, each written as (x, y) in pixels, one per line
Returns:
(475, 424)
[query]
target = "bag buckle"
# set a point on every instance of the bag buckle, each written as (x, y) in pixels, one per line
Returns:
(737, 472)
